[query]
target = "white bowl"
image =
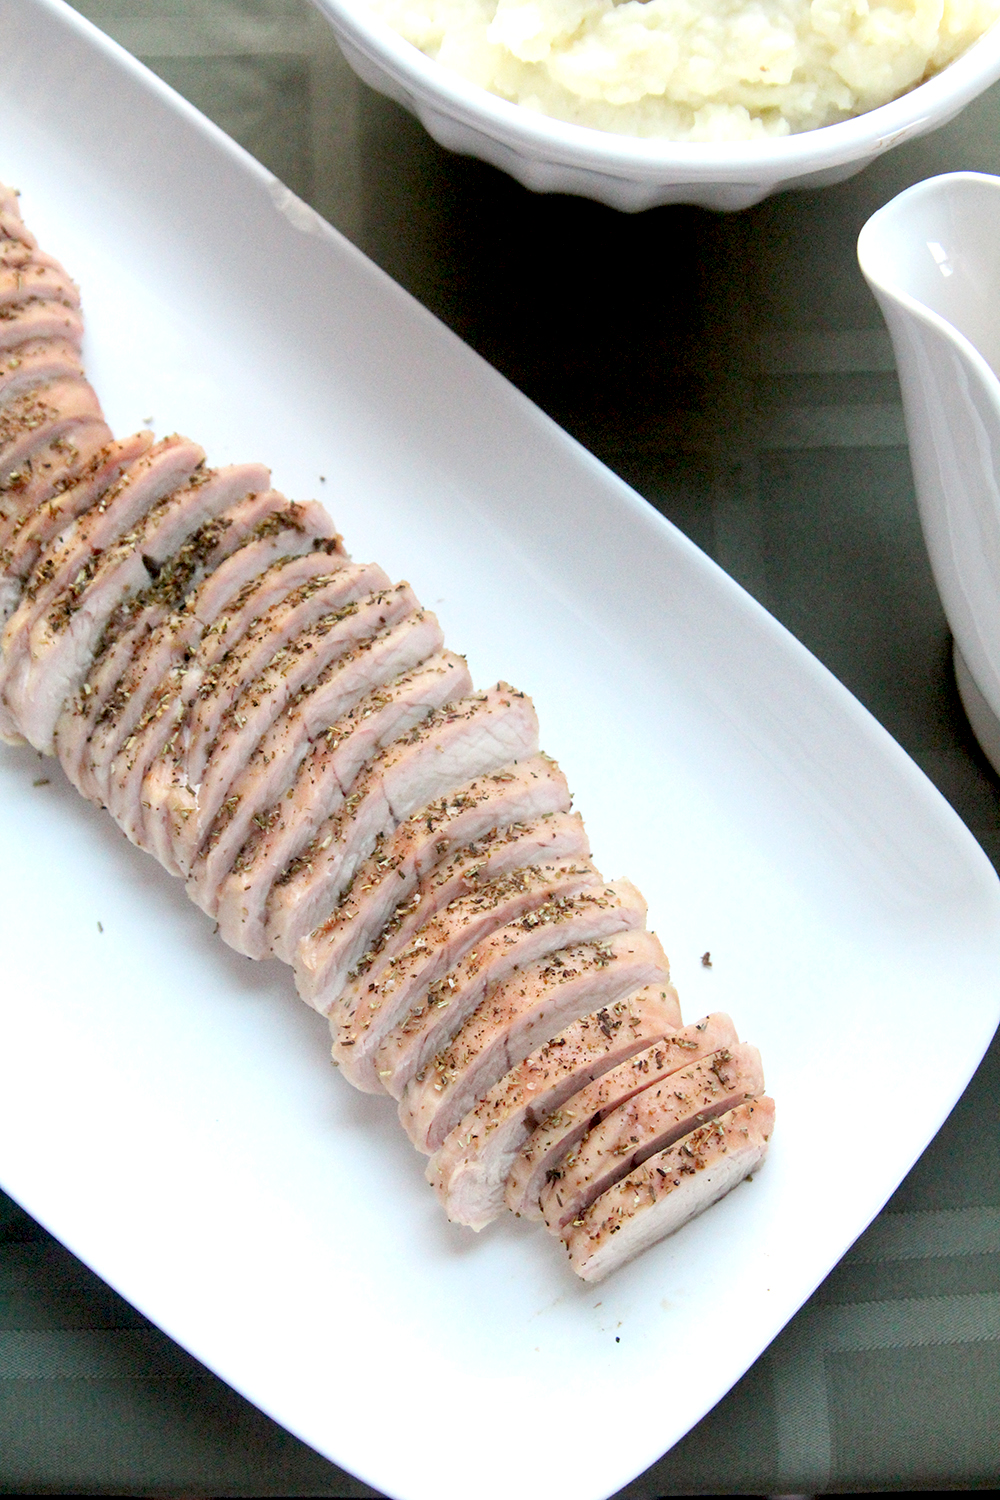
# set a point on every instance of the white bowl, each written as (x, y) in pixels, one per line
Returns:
(629, 172)
(932, 258)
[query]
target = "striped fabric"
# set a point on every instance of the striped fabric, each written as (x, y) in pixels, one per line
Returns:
(740, 377)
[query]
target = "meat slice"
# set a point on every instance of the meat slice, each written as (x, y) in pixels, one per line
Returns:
(325, 704)
(497, 867)
(58, 586)
(366, 642)
(533, 1005)
(37, 510)
(567, 1121)
(39, 319)
(103, 595)
(564, 919)
(40, 416)
(346, 945)
(496, 852)
(284, 643)
(36, 363)
(36, 282)
(470, 1169)
(433, 950)
(652, 1120)
(49, 490)
(168, 668)
(469, 738)
(256, 532)
(268, 624)
(117, 687)
(669, 1189)
(104, 694)
(324, 769)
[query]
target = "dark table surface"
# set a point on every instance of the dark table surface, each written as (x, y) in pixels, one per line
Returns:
(740, 377)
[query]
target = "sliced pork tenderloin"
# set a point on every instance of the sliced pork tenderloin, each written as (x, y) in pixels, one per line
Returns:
(268, 628)
(531, 1006)
(35, 363)
(478, 870)
(669, 1189)
(323, 704)
(651, 1121)
(506, 847)
(568, 1121)
(39, 320)
(598, 911)
(368, 640)
(345, 946)
(47, 493)
(35, 281)
(195, 650)
(166, 672)
(12, 226)
(321, 773)
(469, 1170)
(101, 597)
(284, 638)
(61, 579)
(498, 851)
(432, 952)
(39, 417)
(105, 695)
(468, 738)
(199, 580)
(35, 511)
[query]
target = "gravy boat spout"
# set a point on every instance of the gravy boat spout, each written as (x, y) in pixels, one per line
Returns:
(932, 258)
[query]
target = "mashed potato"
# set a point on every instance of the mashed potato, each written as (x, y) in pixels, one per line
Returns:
(694, 70)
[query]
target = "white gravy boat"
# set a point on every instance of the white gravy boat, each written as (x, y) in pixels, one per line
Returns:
(932, 258)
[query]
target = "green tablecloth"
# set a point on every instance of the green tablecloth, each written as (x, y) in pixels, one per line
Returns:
(739, 376)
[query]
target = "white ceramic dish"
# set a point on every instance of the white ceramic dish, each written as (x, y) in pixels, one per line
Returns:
(631, 173)
(932, 258)
(167, 1108)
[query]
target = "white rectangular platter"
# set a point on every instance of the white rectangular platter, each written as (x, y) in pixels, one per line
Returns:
(168, 1108)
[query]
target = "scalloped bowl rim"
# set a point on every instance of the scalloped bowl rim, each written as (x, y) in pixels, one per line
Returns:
(920, 109)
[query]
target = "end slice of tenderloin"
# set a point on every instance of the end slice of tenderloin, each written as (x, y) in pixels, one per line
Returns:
(469, 1170)
(318, 774)
(346, 945)
(104, 695)
(565, 1124)
(533, 1005)
(374, 659)
(471, 737)
(596, 912)
(188, 649)
(669, 1189)
(652, 1120)
(48, 639)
